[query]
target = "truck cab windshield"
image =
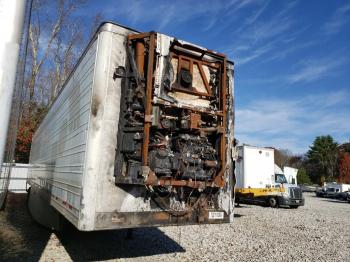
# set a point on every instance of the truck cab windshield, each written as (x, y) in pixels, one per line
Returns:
(280, 178)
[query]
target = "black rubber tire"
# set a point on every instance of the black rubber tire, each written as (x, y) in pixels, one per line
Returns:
(293, 207)
(272, 202)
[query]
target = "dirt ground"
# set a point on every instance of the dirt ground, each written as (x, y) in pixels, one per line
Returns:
(319, 231)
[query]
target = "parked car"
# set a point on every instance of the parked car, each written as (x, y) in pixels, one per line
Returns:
(333, 190)
(321, 192)
(342, 195)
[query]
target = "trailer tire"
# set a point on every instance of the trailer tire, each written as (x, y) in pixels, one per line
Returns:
(272, 202)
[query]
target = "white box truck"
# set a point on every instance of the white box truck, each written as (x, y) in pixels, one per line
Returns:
(257, 182)
(141, 134)
(291, 175)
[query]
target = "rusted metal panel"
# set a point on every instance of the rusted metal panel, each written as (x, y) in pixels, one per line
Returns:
(158, 218)
(223, 147)
(195, 120)
(140, 57)
(149, 91)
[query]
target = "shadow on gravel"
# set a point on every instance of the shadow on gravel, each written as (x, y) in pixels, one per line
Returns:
(240, 206)
(22, 239)
(105, 245)
(335, 201)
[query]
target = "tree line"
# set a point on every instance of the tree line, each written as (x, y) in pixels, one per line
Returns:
(325, 161)
(57, 35)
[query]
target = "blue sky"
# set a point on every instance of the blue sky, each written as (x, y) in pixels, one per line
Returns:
(292, 60)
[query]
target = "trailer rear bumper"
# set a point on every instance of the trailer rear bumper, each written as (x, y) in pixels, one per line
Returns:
(118, 220)
(285, 201)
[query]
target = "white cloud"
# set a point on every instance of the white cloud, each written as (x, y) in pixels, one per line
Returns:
(261, 37)
(271, 28)
(229, 9)
(311, 73)
(250, 20)
(165, 13)
(337, 20)
(294, 123)
(305, 71)
(287, 50)
(254, 54)
(276, 25)
(244, 3)
(315, 69)
(291, 143)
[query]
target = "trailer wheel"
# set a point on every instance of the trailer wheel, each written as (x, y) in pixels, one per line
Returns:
(272, 201)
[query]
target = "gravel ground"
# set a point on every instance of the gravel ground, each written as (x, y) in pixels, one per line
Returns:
(319, 231)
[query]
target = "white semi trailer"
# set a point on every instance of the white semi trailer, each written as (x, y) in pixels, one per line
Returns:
(141, 134)
(258, 182)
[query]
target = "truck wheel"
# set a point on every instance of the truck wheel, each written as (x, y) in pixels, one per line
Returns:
(294, 207)
(272, 202)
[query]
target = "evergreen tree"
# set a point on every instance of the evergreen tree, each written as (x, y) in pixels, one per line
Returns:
(302, 177)
(322, 158)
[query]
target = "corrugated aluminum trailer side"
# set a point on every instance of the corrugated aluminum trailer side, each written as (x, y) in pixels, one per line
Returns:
(64, 154)
(75, 150)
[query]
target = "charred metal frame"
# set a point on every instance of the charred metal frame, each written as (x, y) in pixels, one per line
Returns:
(221, 65)
(140, 57)
(220, 179)
(149, 91)
(191, 62)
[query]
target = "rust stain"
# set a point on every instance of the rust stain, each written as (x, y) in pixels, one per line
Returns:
(161, 216)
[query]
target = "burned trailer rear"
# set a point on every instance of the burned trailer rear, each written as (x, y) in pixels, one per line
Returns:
(141, 135)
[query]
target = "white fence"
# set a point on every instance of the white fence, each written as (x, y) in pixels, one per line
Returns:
(18, 180)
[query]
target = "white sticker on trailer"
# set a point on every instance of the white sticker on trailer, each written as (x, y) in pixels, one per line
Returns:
(216, 215)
